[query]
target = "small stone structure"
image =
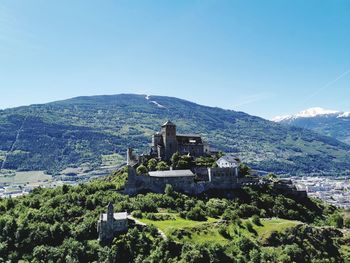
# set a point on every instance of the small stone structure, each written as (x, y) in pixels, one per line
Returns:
(110, 224)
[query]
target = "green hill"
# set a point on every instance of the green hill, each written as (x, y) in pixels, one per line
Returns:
(85, 129)
(258, 225)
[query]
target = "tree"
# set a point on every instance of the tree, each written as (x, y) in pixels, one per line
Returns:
(347, 222)
(162, 166)
(336, 220)
(152, 164)
(141, 169)
(271, 176)
(175, 159)
(244, 169)
(196, 213)
(256, 220)
(245, 245)
(169, 190)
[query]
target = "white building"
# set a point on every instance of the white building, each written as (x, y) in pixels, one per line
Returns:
(228, 161)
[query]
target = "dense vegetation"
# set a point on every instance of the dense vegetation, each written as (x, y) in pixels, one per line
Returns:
(85, 129)
(59, 225)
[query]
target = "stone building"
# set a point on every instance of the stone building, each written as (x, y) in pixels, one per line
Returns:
(183, 181)
(110, 224)
(167, 142)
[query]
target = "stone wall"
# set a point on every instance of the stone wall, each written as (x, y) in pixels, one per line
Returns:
(224, 179)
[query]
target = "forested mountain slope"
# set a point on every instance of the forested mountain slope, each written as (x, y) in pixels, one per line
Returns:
(83, 129)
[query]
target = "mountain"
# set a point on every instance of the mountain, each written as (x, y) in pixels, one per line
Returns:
(327, 122)
(95, 129)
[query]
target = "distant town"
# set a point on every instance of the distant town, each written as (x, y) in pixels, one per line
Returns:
(333, 190)
(14, 184)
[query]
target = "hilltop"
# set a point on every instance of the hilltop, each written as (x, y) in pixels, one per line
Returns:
(95, 129)
(257, 225)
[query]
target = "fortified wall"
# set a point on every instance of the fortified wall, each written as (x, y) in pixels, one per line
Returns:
(183, 181)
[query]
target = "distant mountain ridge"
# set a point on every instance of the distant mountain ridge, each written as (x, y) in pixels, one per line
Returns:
(311, 113)
(80, 130)
(327, 122)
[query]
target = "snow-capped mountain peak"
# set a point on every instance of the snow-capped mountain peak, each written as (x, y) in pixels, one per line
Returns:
(311, 113)
(344, 115)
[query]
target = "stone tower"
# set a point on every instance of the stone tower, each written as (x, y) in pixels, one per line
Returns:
(110, 213)
(169, 139)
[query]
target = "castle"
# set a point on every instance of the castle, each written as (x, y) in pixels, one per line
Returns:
(191, 181)
(167, 142)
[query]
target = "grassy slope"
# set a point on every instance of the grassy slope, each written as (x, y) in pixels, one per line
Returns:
(208, 231)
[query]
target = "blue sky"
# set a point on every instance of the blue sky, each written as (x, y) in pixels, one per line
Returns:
(265, 58)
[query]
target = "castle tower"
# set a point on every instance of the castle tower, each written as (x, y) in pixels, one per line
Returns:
(169, 138)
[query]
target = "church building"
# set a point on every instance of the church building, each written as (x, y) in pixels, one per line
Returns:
(111, 224)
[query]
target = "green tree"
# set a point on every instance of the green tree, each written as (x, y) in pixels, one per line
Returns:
(152, 164)
(347, 222)
(169, 190)
(256, 220)
(162, 166)
(141, 169)
(244, 169)
(175, 159)
(336, 220)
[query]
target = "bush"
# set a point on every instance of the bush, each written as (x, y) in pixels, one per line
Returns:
(223, 230)
(137, 214)
(159, 217)
(141, 169)
(162, 166)
(250, 227)
(152, 164)
(196, 214)
(336, 220)
(256, 220)
(347, 222)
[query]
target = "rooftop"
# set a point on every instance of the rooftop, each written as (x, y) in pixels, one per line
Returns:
(188, 135)
(230, 158)
(172, 173)
(117, 216)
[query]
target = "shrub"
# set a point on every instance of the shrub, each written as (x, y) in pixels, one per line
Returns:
(196, 214)
(137, 214)
(256, 220)
(141, 169)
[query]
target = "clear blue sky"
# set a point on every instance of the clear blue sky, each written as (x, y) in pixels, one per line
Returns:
(266, 58)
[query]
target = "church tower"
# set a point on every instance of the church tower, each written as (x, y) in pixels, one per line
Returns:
(169, 139)
(110, 213)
